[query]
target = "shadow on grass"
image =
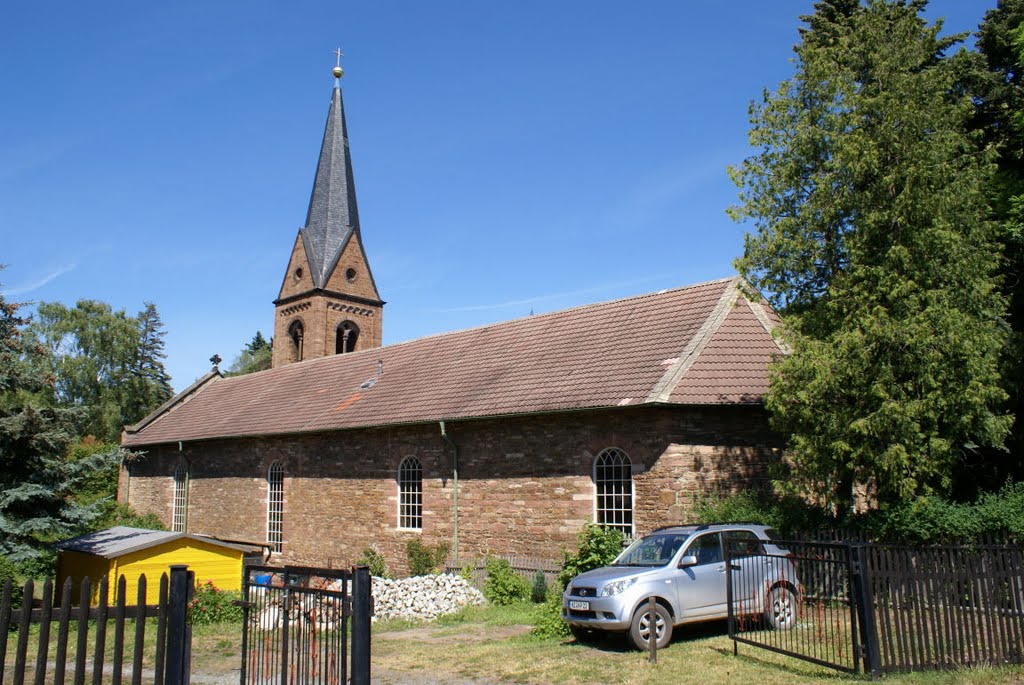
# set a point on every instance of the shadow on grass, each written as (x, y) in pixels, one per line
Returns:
(618, 642)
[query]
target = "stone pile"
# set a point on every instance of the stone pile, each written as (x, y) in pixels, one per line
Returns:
(422, 597)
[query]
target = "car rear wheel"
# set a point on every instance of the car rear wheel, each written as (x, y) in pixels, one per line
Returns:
(644, 624)
(782, 608)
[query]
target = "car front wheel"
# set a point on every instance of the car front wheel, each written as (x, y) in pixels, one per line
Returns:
(782, 608)
(644, 624)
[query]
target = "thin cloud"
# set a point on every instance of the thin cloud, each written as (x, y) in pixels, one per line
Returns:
(552, 296)
(22, 289)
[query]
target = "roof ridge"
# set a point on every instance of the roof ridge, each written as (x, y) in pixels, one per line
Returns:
(306, 363)
(662, 390)
(663, 291)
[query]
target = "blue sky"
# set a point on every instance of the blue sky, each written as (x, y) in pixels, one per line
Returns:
(509, 156)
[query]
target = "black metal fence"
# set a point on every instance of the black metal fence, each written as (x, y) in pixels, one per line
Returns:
(96, 642)
(297, 623)
(881, 608)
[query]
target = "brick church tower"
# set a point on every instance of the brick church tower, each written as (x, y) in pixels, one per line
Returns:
(328, 303)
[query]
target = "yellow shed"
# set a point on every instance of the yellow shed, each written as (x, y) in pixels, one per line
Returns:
(132, 552)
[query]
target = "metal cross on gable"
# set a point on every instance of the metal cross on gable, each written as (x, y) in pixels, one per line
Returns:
(339, 54)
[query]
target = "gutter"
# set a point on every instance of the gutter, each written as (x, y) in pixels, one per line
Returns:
(455, 493)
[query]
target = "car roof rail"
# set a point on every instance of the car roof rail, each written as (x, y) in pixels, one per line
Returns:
(705, 526)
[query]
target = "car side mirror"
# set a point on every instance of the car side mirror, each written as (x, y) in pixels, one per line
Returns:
(688, 560)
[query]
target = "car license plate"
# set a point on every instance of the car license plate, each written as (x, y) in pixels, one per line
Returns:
(579, 606)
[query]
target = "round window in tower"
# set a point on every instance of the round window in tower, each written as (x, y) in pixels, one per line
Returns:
(350, 275)
(297, 274)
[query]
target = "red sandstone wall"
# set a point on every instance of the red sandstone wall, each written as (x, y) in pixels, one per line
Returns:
(525, 484)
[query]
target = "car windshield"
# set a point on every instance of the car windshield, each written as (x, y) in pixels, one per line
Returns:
(653, 550)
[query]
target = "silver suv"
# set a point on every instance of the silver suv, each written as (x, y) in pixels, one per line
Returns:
(683, 568)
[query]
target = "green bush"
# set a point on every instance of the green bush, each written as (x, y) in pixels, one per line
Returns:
(598, 546)
(922, 521)
(423, 560)
(503, 585)
(210, 604)
(375, 560)
(547, 619)
(539, 591)
(9, 571)
(933, 520)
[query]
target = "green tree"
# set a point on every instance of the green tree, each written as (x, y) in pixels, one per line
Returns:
(36, 481)
(869, 201)
(255, 356)
(151, 384)
(997, 83)
(104, 361)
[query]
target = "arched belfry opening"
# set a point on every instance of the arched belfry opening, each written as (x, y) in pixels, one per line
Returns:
(296, 332)
(347, 336)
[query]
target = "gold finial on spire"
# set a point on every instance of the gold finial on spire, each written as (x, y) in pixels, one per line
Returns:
(338, 71)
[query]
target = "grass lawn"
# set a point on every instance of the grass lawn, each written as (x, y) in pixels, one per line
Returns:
(492, 645)
(477, 644)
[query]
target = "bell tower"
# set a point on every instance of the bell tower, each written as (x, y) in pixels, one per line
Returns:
(328, 302)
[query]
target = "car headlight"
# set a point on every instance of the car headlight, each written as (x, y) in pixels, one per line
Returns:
(617, 587)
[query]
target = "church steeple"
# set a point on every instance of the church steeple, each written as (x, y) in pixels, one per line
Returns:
(328, 302)
(333, 216)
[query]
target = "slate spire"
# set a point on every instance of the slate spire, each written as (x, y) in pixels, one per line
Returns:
(333, 217)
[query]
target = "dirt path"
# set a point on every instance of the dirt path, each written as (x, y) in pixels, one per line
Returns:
(438, 635)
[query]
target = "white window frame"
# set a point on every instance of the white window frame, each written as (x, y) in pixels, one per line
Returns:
(275, 506)
(179, 501)
(610, 509)
(410, 494)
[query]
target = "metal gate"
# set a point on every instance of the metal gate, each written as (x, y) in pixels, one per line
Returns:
(297, 625)
(816, 619)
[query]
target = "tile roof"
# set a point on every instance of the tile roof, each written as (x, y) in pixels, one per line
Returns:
(702, 344)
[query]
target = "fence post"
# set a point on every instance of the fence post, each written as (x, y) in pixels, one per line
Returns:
(179, 632)
(860, 588)
(361, 611)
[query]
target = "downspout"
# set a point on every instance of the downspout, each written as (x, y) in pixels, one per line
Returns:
(455, 493)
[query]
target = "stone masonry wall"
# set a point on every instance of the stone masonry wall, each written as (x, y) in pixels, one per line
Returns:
(525, 484)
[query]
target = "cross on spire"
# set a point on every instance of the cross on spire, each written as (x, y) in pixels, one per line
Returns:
(338, 71)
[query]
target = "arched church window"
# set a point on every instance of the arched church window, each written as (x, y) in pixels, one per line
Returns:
(275, 506)
(410, 494)
(613, 485)
(295, 333)
(180, 508)
(348, 334)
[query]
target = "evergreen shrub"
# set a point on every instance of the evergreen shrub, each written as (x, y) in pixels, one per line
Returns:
(503, 585)
(424, 560)
(375, 561)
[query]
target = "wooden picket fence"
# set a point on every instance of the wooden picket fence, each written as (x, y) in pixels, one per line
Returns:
(115, 634)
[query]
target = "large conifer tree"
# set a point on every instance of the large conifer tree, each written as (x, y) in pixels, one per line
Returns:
(872, 237)
(35, 478)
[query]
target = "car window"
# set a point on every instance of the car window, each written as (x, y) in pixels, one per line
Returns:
(743, 543)
(707, 549)
(653, 550)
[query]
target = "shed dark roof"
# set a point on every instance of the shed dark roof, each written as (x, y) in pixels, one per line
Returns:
(120, 540)
(702, 344)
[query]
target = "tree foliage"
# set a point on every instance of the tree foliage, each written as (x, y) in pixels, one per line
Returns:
(255, 356)
(997, 82)
(872, 237)
(36, 480)
(105, 362)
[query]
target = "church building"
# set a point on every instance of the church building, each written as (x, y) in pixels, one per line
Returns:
(503, 439)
